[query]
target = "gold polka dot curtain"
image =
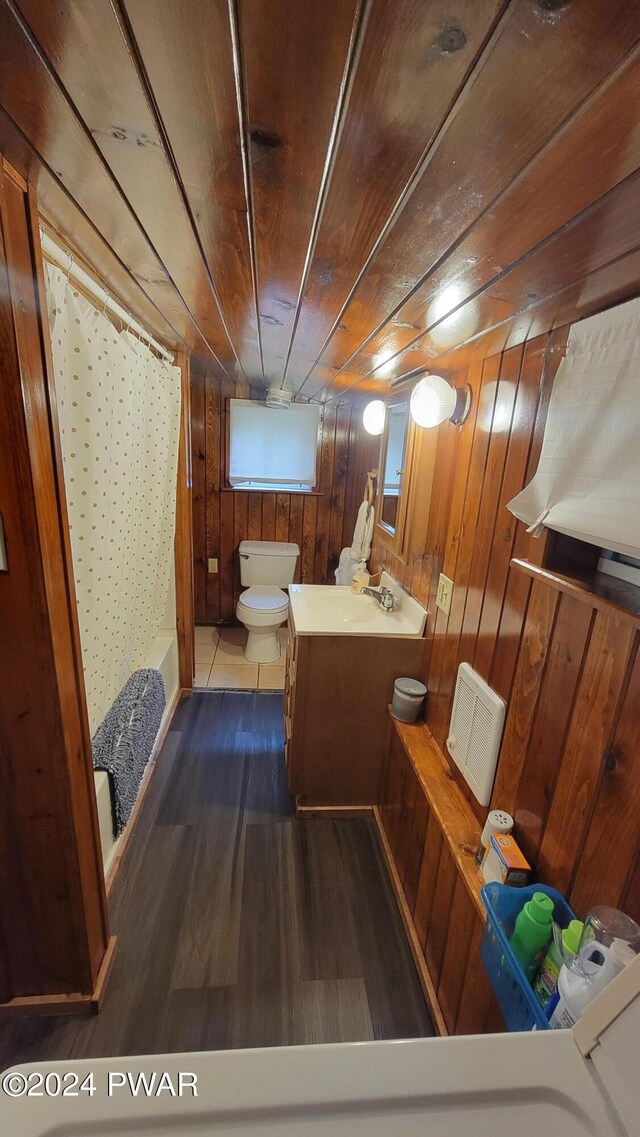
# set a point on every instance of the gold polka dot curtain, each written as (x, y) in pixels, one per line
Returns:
(119, 415)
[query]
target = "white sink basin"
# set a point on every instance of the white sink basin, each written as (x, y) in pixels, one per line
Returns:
(325, 609)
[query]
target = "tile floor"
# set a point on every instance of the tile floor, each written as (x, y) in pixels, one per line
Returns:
(220, 662)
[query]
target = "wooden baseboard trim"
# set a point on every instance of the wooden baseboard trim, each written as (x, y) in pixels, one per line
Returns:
(343, 811)
(146, 778)
(71, 1004)
(426, 981)
(103, 975)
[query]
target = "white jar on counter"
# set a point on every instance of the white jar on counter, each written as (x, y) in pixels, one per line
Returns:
(408, 698)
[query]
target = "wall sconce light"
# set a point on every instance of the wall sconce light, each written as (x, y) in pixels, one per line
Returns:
(433, 401)
(373, 416)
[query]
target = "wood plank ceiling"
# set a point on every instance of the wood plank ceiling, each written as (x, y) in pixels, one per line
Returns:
(329, 194)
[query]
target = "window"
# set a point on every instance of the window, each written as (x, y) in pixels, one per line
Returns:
(272, 449)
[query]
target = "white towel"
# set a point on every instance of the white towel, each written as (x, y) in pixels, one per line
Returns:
(363, 532)
(346, 567)
(356, 556)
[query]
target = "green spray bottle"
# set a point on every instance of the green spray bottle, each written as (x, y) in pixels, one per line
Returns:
(532, 932)
(546, 982)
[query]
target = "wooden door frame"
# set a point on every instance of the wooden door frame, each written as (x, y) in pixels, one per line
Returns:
(183, 545)
(55, 699)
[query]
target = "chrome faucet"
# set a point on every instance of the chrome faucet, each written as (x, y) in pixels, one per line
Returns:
(384, 597)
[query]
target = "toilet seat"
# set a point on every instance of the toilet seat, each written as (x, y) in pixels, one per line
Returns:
(264, 598)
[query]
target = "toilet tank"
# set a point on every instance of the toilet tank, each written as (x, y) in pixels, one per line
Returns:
(267, 562)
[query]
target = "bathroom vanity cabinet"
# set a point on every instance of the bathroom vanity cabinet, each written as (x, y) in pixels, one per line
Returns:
(337, 689)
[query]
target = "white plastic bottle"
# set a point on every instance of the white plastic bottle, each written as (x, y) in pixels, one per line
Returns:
(578, 985)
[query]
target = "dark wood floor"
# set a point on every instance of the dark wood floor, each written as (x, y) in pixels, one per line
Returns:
(237, 924)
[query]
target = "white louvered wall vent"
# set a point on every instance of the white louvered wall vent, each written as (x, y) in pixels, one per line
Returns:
(477, 719)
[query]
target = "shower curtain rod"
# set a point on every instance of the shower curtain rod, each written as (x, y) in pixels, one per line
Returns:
(63, 259)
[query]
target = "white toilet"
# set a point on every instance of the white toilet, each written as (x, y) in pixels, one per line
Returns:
(267, 567)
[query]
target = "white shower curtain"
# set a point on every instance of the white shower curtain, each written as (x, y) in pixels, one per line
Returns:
(119, 413)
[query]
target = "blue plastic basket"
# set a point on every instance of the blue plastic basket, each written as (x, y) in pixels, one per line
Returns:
(520, 1008)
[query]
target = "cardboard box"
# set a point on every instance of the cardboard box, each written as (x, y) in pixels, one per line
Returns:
(505, 862)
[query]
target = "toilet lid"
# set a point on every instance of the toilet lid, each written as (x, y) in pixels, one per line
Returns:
(264, 598)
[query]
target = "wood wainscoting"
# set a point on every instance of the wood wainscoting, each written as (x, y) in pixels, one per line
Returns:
(564, 658)
(429, 835)
(223, 517)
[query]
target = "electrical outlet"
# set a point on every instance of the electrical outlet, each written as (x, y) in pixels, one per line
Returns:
(212, 564)
(444, 594)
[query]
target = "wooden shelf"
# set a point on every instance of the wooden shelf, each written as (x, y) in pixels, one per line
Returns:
(452, 811)
(599, 590)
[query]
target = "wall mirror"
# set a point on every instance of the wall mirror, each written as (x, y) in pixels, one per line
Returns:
(396, 449)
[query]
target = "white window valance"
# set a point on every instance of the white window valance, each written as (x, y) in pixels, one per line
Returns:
(272, 448)
(587, 484)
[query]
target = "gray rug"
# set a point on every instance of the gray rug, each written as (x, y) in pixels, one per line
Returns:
(123, 742)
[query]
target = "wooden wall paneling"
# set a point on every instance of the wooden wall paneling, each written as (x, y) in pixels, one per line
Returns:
(240, 517)
(477, 1009)
(226, 564)
(254, 516)
(507, 385)
(338, 488)
(518, 587)
(199, 494)
(308, 546)
(630, 902)
(296, 512)
(283, 501)
(415, 849)
(290, 132)
(605, 865)
(410, 67)
(214, 457)
(410, 796)
(598, 703)
(399, 768)
(224, 517)
(325, 477)
(31, 97)
(462, 922)
(268, 516)
(183, 546)
(542, 749)
(514, 479)
(449, 457)
(444, 663)
(440, 912)
(363, 455)
(538, 631)
(427, 879)
(55, 935)
(121, 121)
(188, 58)
(519, 70)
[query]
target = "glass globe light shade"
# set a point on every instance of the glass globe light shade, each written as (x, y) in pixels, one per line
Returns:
(373, 416)
(433, 401)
